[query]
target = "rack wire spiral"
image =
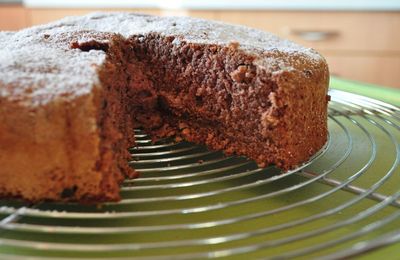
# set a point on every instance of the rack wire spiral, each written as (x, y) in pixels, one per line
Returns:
(194, 203)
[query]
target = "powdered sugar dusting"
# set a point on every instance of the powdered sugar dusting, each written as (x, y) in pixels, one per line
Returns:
(37, 67)
(189, 29)
(38, 64)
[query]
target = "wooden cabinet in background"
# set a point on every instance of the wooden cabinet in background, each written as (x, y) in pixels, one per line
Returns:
(12, 17)
(379, 69)
(339, 31)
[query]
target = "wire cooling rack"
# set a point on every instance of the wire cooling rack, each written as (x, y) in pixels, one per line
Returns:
(194, 203)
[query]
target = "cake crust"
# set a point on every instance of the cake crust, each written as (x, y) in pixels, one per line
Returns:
(72, 91)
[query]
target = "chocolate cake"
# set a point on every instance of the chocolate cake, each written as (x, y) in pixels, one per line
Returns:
(71, 93)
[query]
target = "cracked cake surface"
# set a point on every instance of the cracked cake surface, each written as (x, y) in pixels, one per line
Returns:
(72, 91)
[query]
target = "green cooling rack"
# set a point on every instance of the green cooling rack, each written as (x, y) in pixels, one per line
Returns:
(191, 203)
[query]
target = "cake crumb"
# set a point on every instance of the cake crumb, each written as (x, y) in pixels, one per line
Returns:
(234, 45)
(239, 74)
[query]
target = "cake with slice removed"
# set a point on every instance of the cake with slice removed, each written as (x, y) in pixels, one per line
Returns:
(71, 93)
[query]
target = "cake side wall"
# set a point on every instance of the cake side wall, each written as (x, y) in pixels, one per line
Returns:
(84, 141)
(303, 94)
(48, 152)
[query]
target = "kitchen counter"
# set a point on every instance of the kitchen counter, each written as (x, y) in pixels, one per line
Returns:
(316, 5)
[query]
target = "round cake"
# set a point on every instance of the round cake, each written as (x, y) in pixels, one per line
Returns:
(72, 92)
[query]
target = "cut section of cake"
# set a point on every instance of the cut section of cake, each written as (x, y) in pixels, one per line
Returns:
(71, 93)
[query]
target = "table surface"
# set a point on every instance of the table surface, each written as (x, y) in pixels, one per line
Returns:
(386, 94)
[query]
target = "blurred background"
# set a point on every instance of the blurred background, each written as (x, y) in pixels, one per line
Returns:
(359, 38)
